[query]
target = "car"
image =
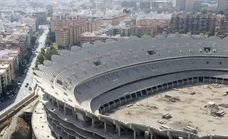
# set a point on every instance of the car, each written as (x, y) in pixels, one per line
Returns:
(26, 85)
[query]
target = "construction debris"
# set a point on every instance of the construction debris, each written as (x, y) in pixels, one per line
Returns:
(225, 94)
(164, 127)
(172, 99)
(212, 108)
(193, 93)
(220, 113)
(129, 105)
(166, 116)
(215, 85)
(161, 122)
(223, 105)
(190, 129)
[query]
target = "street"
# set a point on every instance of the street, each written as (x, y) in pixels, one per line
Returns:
(29, 75)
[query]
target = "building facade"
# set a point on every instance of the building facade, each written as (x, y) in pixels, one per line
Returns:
(68, 31)
(194, 22)
(88, 37)
(6, 76)
(222, 5)
(11, 57)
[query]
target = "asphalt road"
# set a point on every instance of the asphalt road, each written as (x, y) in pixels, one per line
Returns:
(28, 78)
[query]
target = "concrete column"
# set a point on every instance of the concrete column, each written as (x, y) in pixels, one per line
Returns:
(64, 108)
(120, 101)
(211, 137)
(93, 121)
(105, 127)
(119, 130)
(126, 99)
(58, 105)
(109, 107)
(157, 88)
(68, 136)
(147, 93)
(136, 96)
(189, 136)
(134, 134)
(114, 104)
(169, 135)
(141, 93)
(222, 80)
(52, 101)
(74, 114)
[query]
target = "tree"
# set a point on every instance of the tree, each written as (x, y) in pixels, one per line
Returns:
(48, 42)
(204, 11)
(182, 31)
(218, 31)
(33, 40)
(36, 34)
(4, 92)
(48, 54)
(208, 33)
(51, 36)
(42, 52)
(40, 58)
(220, 12)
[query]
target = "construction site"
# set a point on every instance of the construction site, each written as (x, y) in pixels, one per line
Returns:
(200, 109)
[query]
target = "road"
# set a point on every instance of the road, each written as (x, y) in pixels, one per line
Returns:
(29, 75)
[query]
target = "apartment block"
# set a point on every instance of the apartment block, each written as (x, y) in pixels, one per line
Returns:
(68, 31)
(15, 41)
(223, 23)
(89, 37)
(11, 57)
(5, 74)
(222, 5)
(194, 22)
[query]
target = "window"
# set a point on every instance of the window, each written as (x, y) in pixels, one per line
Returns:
(59, 82)
(97, 63)
(151, 52)
(207, 49)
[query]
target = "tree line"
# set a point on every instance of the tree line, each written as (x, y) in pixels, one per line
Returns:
(45, 55)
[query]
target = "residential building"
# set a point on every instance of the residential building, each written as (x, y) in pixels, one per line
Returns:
(197, 5)
(189, 5)
(222, 5)
(11, 57)
(5, 74)
(180, 4)
(223, 24)
(144, 5)
(15, 41)
(128, 4)
(31, 22)
(89, 37)
(194, 22)
(68, 31)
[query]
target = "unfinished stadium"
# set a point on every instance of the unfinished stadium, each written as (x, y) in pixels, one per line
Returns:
(82, 89)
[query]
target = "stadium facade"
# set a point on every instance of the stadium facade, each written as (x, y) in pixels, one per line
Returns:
(80, 85)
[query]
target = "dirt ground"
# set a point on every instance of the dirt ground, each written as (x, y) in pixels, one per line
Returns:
(191, 110)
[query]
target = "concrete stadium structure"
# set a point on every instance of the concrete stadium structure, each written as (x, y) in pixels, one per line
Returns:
(82, 84)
